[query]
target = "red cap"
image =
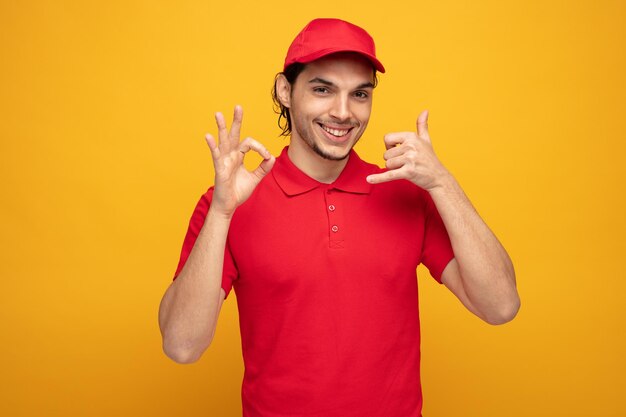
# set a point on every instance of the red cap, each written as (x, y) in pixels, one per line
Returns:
(323, 37)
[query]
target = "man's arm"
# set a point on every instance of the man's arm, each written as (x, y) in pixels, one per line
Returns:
(481, 275)
(190, 307)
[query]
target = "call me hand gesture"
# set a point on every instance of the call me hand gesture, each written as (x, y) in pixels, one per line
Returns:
(481, 273)
(411, 156)
(233, 182)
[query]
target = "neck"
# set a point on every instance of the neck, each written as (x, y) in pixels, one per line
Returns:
(315, 166)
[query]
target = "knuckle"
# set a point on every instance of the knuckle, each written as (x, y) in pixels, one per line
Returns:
(390, 138)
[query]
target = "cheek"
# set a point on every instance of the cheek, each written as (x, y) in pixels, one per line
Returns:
(307, 111)
(363, 114)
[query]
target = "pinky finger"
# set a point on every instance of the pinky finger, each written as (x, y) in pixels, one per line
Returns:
(384, 177)
(210, 140)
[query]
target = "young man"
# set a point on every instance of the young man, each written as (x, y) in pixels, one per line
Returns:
(322, 247)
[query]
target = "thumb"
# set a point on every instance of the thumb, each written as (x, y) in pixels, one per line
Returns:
(264, 167)
(422, 126)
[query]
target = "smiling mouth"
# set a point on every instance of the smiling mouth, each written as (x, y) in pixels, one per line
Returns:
(335, 132)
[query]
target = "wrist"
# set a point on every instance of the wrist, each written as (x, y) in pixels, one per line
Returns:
(219, 214)
(444, 184)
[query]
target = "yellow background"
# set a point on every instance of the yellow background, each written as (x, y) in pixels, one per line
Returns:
(103, 110)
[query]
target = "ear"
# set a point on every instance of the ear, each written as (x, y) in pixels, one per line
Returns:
(283, 90)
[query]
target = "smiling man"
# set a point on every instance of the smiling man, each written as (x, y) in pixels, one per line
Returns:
(321, 248)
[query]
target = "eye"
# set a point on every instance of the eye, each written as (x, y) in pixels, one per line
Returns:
(361, 95)
(321, 90)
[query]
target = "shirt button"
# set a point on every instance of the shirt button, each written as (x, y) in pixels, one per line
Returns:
(331, 207)
(334, 229)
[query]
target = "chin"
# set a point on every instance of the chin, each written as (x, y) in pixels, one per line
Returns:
(330, 156)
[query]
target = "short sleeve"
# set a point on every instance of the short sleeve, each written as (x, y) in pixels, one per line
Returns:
(436, 248)
(195, 225)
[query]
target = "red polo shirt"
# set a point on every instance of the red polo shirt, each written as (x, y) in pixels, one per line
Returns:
(325, 278)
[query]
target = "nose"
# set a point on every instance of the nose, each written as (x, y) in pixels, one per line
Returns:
(340, 109)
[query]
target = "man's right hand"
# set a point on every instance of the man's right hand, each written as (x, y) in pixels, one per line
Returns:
(233, 182)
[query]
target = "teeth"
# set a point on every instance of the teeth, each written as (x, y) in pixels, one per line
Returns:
(335, 132)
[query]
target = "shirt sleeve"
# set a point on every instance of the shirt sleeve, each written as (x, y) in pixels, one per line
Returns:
(196, 222)
(436, 248)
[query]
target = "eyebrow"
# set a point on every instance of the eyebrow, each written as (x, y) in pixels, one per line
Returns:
(318, 80)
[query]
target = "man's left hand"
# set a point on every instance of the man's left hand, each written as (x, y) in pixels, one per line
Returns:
(410, 156)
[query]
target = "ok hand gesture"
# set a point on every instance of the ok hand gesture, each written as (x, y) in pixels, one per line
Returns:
(233, 182)
(411, 156)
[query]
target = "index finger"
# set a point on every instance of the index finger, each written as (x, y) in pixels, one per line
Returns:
(393, 139)
(252, 144)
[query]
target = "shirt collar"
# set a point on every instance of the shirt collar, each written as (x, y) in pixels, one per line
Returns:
(293, 181)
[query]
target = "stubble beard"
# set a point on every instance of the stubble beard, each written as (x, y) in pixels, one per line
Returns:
(307, 138)
(325, 155)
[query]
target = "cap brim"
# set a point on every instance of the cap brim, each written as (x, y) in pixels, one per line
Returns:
(325, 52)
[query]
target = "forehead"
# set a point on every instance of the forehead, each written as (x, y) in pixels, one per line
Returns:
(340, 68)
